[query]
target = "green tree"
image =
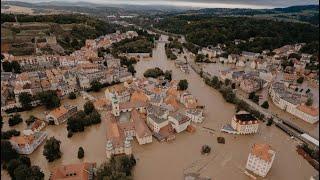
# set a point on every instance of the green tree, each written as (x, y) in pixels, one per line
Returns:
(7, 151)
(309, 102)
(153, 72)
(12, 165)
(119, 167)
(1, 121)
(131, 69)
(80, 153)
(75, 125)
(26, 172)
(25, 160)
(200, 58)
(49, 98)
(76, 122)
(30, 120)
(72, 95)
(265, 105)
(300, 80)
(214, 80)
(95, 117)
(227, 82)
(25, 100)
(307, 91)
(228, 95)
(10, 133)
(168, 75)
(16, 67)
(253, 97)
(96, 86)
(205, 149)
(52, 149)
(15, 119)
(269, 122)
(233, 85)
(183, 85)
(88, 107)
(7, 67)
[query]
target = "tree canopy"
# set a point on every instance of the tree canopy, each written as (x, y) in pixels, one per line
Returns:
(268, 34)
(51, 149)
(183, 85)
(49, 98)
(119, 167)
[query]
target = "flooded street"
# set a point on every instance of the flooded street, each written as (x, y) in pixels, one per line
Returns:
(312, 129)
(158, 161)
(168, 160)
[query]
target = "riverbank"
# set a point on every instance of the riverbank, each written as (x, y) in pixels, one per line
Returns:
(170, 160)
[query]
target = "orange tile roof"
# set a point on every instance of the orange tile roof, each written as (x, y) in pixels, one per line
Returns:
(23, 76)
(58, 112)
(173, 91)
(101, 102)
(45, 83)
(139, 96)
(141, 128)
(156, 90)
(72, 172)
(118, 88)
(262, 151)
(129, 105)
(112, 128)
(191, 102)
(113, 131)
(171, 100)
(309, 110)
(22, 140)
(37, 123)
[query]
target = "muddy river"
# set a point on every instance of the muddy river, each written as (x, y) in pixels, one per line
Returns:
(158, 161)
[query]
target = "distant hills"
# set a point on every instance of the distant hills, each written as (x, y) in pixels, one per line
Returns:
(306, 13)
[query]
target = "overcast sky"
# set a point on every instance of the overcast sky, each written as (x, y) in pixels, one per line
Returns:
(202, 3)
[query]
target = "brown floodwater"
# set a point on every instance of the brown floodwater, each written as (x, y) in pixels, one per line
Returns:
(170, 160)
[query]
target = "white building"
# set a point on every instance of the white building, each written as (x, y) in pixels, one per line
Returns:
(26, 144)
(249, 55)
(117, 142)
(244, 123)
(196, 115)
(179, 121)
(155, 123)
(260, 159)
(61, 114)
(292, 103)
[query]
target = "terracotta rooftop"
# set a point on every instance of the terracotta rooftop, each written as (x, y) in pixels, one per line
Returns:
(139, 96)
(173, 92)
(309, 110)
(22, 140)
(171, 100)
(72, 172)
(113, 131)
(142, 129)
(129, 105)
(262, 151)
(58, 112)
(37, 123)
(99, 103)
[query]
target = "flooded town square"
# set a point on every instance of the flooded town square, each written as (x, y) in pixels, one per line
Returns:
(170, 160)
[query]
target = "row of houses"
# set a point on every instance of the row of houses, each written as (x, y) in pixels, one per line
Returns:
(156, 109)
(293, 103)
(31, 138)
(250, 81)
(60, 80)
